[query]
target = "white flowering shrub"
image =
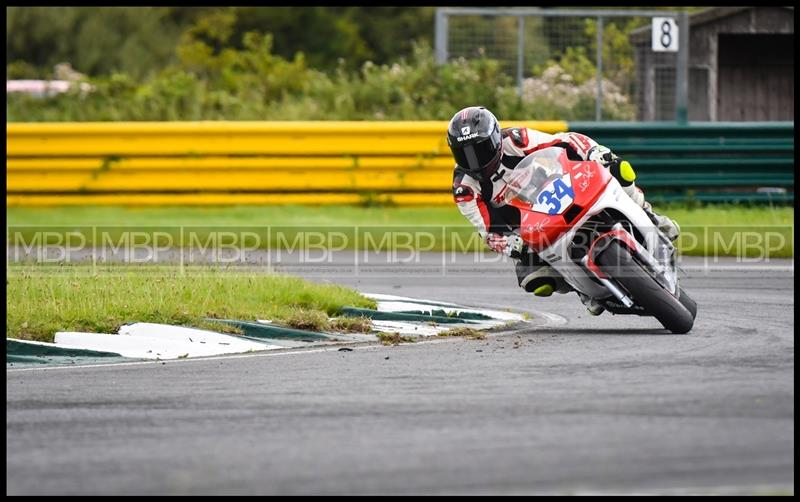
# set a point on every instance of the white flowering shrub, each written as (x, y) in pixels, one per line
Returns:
(556, 95)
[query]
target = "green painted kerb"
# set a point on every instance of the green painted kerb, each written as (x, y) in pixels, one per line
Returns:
(17, 348)
(263, 331)
(402, 316)
(21, 353)
(453, 315)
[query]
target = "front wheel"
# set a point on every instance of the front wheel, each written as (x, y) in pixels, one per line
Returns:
(617, 262)
(687, 302)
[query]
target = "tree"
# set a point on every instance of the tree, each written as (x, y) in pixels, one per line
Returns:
(141, 40)
(94, 40)
(326, 34)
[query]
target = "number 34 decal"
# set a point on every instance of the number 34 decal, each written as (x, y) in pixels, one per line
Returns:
(556, 197)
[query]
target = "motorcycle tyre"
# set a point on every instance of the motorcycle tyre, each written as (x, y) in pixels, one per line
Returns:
(673, 314)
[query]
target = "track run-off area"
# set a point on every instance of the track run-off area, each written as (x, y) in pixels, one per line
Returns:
(565, 403)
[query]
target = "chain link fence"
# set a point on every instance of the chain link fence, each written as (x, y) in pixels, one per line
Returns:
(557, 56)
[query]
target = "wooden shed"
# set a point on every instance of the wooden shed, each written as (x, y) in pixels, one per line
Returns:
(741, 67)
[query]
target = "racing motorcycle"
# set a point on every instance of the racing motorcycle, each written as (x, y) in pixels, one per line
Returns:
(579, 220)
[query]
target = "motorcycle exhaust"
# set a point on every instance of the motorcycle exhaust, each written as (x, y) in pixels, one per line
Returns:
(618, 294)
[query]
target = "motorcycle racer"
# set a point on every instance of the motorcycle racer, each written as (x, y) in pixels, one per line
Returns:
(483, 152)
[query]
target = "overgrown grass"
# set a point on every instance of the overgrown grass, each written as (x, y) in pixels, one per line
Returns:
(395, 338)
(43, 300)
(470, 333)
(351, 324)
(307, 320)
(319, 321)
(727, 230)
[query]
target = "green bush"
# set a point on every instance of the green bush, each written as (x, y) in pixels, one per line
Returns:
(214, 81)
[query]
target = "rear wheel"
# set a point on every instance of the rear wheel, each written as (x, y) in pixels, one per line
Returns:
(617, 262)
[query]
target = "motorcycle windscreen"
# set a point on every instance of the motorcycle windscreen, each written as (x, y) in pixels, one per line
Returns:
(540, 183)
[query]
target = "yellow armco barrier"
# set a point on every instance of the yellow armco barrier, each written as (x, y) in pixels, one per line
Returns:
(136, 163)
(222, 199)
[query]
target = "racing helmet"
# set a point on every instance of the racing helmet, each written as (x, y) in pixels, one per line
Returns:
(476, 142)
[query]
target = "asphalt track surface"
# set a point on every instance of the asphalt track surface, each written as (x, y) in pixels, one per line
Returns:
(568, 404)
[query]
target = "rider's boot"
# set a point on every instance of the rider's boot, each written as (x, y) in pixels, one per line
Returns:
(668, 226)
(536, 276)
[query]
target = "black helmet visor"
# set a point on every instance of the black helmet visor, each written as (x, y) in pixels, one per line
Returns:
(476, 156)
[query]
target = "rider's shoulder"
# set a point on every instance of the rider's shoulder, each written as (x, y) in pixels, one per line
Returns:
(517, 135)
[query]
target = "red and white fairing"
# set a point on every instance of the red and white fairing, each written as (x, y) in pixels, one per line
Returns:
(556, 197)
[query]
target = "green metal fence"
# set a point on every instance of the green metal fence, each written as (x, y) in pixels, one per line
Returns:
(705, 161)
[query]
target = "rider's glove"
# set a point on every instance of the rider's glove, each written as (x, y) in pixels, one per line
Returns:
(602, 155)
(511, 245)
(620, 169)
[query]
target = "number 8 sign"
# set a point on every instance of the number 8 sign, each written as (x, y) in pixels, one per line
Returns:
(665, 34)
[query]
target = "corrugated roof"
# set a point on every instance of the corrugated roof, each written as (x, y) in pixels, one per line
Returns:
(698, 18)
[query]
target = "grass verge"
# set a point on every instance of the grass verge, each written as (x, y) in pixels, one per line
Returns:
(43, 300)
(718, 230)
